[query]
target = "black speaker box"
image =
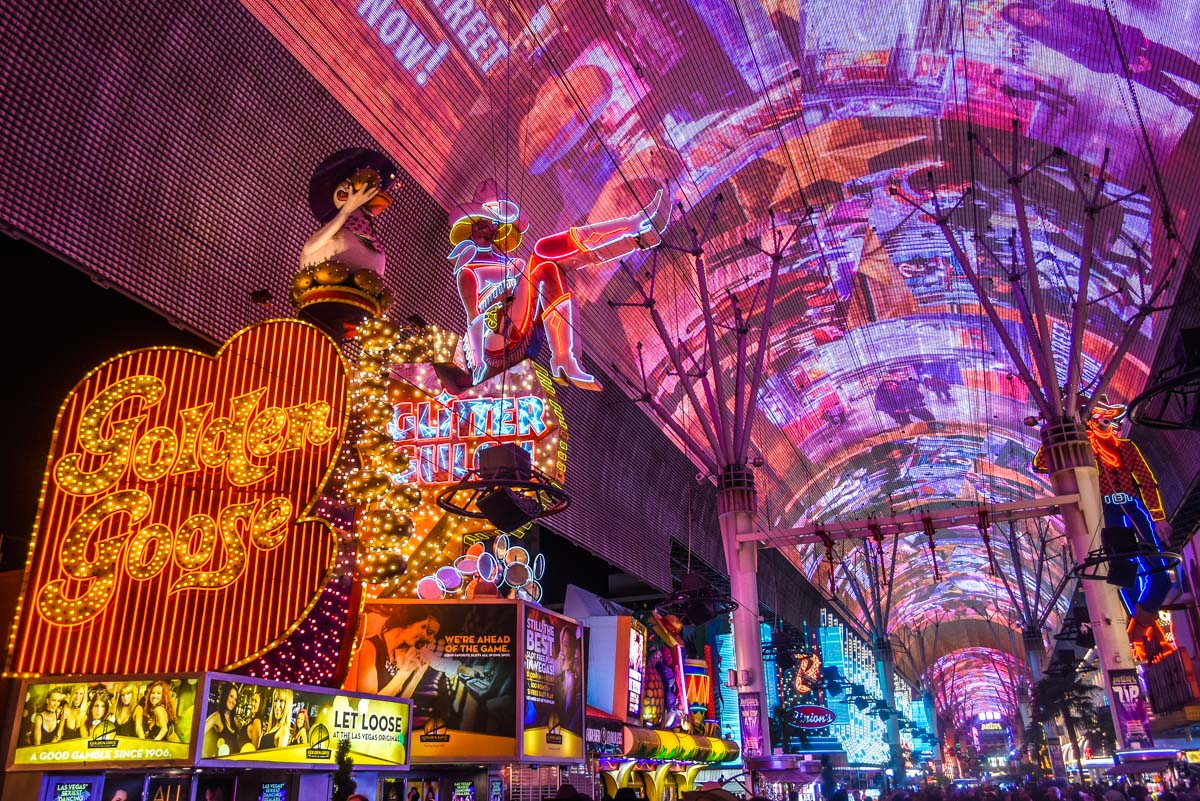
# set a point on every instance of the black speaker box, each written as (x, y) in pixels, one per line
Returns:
(506, 510)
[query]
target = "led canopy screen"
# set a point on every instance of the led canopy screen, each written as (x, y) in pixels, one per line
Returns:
(888, 389)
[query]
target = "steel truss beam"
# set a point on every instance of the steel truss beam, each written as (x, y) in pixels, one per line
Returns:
(870, 528)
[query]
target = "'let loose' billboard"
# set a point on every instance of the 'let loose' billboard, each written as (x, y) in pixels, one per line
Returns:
(258, 723)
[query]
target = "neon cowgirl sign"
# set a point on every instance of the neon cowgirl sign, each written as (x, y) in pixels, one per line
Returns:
(441, 435)
(513, 304)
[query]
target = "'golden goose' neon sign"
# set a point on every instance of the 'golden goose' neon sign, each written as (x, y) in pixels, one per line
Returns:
(172, 531)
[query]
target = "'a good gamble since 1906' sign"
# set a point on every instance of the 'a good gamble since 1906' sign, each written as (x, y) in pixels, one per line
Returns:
(173, 530)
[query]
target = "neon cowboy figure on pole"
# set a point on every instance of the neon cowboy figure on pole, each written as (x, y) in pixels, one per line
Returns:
(506, 298)
(1131, 500)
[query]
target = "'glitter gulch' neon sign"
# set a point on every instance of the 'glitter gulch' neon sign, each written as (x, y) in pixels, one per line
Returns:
(442, 434)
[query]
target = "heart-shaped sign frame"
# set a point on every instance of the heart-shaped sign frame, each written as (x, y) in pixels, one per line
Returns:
(173, 532)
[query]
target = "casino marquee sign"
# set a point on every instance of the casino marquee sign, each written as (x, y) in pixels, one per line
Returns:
(173, 531)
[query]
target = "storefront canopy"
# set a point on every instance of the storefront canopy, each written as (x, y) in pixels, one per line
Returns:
(1134, 768)
(668, 745)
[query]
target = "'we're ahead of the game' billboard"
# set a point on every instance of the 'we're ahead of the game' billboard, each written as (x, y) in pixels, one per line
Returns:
(490, 680)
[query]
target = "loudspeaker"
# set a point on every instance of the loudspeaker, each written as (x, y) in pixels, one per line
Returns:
(832, 677)
(1117, 540)
(506, 510)
(1064, 662)
(1086, 637)
(695, 597)
(1190, 337)
(507, 462)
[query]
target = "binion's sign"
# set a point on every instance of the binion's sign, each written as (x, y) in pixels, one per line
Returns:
(173, 531)
(808, 716)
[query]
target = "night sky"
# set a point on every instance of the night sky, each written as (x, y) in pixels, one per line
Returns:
(59, 325)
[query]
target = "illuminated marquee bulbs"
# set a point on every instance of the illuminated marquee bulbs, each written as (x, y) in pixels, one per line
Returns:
(383, 527)
(414, 440)
(381, 536)
(179, 490)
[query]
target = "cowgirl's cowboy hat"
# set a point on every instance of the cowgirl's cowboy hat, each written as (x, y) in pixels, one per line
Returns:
(486, 204)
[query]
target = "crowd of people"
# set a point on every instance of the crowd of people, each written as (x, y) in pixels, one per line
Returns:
(1050, 790)
(1047, 791)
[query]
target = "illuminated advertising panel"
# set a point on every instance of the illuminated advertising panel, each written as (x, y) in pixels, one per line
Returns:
(637, 667)
(181, 483)
(457, 661)
(72, 788)
(750, 712)
(106, 722)
(463, 790)
(258, 723)
(697, 680)
(604, 737)
(616, 662)
(1132, 713)
(554, 707)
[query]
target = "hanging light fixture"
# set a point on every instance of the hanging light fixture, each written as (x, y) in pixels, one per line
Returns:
(696, 602)
(1124, 560)
(927, 524)
(506, 490)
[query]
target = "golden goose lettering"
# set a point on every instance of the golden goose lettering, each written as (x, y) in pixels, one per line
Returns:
(116, 460)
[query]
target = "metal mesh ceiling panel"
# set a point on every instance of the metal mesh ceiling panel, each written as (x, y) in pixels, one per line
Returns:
(165, 149)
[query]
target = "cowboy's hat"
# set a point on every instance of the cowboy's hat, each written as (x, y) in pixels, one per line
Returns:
(1113, 411)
